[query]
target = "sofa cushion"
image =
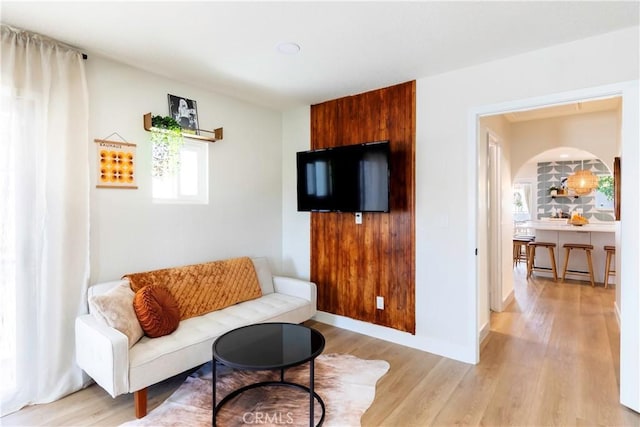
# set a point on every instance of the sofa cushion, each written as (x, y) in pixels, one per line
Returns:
(202, 288)
(263, 271)
(152, 360)
(115, 308)
(157, 310)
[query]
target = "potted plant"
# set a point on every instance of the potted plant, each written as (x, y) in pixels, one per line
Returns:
(167, 140)
(553, 191)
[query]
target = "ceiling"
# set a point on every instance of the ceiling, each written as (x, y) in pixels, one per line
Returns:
(346, 47)
(606, 104)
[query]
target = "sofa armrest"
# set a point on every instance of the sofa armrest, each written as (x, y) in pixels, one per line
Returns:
(103, 353)
(295, 287)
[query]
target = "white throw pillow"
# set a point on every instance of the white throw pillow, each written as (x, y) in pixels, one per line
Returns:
(115, 309)
(264, 274)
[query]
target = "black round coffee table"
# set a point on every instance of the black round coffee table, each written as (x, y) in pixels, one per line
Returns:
(267, 346)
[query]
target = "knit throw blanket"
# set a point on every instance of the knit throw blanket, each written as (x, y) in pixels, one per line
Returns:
(202, 288)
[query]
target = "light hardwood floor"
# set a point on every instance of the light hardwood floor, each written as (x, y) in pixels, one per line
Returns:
(551, 358)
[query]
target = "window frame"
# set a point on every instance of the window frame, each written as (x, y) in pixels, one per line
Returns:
(202, 195)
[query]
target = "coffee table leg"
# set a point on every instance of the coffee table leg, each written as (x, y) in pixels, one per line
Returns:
(311, 392)
(213, 381)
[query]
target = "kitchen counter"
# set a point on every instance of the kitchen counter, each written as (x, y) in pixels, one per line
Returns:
(559, 232)
(561, 225)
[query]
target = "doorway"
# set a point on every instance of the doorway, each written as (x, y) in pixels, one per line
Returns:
(494, 221)
(629, 245)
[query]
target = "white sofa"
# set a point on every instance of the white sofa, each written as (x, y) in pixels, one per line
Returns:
(104, 354)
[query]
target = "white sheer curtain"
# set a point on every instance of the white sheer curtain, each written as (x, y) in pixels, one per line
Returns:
(44, 216)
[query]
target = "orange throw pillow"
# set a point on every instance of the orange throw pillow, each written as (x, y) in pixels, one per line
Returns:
(157, 310)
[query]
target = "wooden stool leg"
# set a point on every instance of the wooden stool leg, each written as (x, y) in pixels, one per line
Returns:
(530, 257)
(526, 253)
(589, 261)
(566, 262)
(518, 253)
(607, 266)
(522, 256)
(552, 255)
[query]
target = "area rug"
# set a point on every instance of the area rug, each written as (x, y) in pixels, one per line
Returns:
(346, 383)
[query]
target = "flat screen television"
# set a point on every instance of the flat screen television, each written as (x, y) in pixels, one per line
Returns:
(350, 178)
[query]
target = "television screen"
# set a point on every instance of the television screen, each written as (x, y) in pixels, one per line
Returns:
(352, 178)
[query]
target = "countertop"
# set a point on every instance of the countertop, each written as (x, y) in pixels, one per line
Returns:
(561, 225)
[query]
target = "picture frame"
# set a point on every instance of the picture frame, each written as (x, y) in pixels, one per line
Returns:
(563, 186)
(185, 112)
(116, 164)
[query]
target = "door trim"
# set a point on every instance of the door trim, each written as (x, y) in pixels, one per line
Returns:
(629, 240)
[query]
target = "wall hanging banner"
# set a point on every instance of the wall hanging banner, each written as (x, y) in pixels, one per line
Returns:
(116, 164)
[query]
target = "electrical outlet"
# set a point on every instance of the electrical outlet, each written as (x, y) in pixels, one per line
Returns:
(380, 303)
(358, 217)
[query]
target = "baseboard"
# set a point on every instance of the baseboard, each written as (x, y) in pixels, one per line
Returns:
(617, 311)
(484, 332)
(508, 300)
(419, 342)
(365, 328)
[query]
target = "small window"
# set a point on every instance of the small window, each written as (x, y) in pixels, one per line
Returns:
(190, 183)
(604, 193)
(521, 204)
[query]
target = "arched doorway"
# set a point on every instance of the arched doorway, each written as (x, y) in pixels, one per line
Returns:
(542, 199)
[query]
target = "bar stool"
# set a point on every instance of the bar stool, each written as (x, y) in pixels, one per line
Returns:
(531, 261)
(520, 248)
(568, 247)
(609, 269)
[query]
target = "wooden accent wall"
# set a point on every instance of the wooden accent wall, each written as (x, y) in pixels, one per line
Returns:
(352, 264)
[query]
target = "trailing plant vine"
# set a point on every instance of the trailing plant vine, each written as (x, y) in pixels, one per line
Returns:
(167, 140)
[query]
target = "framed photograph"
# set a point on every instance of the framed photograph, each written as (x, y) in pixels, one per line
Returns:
(563, 186)
(185, 112)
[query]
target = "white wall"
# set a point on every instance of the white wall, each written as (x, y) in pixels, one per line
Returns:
(130, 233)
(597, 133)
(296, 226)
(446, 311)
(528, 172)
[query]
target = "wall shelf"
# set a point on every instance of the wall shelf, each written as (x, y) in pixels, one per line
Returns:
(217, 133)
(565, 195)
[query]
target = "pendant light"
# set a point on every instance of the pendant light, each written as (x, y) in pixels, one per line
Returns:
(582, 182)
